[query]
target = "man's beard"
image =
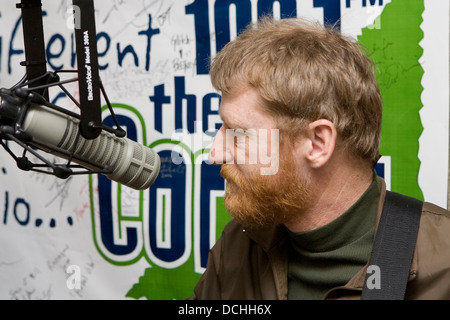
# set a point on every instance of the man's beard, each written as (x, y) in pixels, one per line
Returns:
(257, 200)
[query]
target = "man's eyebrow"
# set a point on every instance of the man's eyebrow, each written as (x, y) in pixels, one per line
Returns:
(231, 124)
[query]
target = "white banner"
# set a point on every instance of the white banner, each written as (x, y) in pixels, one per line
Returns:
(86, 237)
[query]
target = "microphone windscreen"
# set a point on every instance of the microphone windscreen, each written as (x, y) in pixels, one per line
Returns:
(133, 164)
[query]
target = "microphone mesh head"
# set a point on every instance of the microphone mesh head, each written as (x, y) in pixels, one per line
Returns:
(133, 164)
(144, 167)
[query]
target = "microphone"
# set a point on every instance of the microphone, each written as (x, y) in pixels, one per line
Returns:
(30, 120)
(56, 132)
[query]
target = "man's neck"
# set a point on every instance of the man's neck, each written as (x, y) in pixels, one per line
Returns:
(333, 193)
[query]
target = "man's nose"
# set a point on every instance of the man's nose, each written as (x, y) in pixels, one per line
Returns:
(221, 150)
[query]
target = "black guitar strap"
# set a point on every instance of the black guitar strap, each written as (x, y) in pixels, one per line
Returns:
(393, 248)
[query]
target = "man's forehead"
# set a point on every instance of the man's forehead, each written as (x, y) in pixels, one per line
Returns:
(243, 110)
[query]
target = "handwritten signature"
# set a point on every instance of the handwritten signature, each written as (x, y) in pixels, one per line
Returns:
(61, 191)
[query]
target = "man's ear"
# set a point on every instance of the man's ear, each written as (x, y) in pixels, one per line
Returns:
(320, 143)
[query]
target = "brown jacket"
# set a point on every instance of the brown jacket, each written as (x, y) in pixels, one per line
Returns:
(252, 263)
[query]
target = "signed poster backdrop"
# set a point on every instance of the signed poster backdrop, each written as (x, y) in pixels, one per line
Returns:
(87, 237)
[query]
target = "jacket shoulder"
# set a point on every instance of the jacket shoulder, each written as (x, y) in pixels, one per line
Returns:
(435, 210)
(239, 267)
(432, 278)
(233, 228)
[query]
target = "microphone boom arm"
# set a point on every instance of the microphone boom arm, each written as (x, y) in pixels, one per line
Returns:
(90, 86)
(33, 37)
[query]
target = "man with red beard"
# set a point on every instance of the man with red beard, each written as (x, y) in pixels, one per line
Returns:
(304, 224)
